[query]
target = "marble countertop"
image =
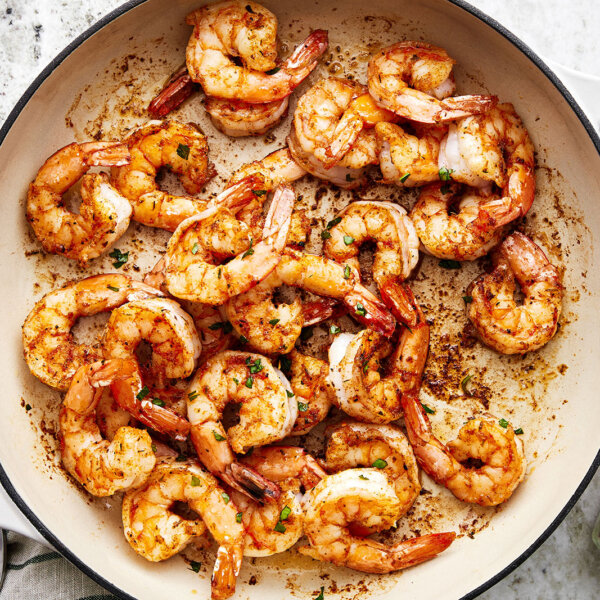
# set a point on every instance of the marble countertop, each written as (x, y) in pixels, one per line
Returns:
(32, 32)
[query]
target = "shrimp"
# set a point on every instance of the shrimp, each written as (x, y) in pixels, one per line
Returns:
(494, 148)
(387, 224)
(454, 223)
(155, 532)
(274, 528)
(51, 352)
(104, 213)
(489, 441)
(313, 394)
(196, 250)
(351, 445)
(500, 322)
(362, 499)
(414, 80)
(102, 467)
(180, 147)
(237, 29)
(268, 412)
(355, 369)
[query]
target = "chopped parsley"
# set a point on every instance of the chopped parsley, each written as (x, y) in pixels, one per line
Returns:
(348, 239)
(404, 177)
(225, 497)
(195, 248)
(250, 250)
(285, 513)
(193, 395)
(274, 321)
(503, 423)
(302, 407)
(158, 402)
(113, 288)
(346, 272)
(519, 431)
(255, 367)
(226, 326)
(259, 193)
(335, 329)
(183, 151)
(273, 71)
(445, 174)
(280, 527)
(142, 393)
(218, 436)
(195, 566)
(321, 595)
(449, 264)
(238, 517)
(243, 339)
(289, 394)
(427, 409)
(120, 257)
(195, 481)
(249, 382)
(468, 299)
(360, 310)
(464, 383)
(379, 464)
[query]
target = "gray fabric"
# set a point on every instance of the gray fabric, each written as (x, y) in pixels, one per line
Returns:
(36, 573)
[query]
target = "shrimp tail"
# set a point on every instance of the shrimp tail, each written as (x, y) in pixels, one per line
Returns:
(399, 298)
(307, 53)
(251, 483)
(226, 569)
(370, 311)
(320, 310)
(416, 550)
(464, 106)
(106, 154)
(278, 219)
(241, 193)
(179, 87)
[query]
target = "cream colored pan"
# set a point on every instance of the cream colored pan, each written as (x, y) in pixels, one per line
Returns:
(100, 85)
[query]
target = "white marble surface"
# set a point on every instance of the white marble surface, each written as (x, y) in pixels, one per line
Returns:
(32, 32)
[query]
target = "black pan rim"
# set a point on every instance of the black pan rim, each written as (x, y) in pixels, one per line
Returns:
(484, 18)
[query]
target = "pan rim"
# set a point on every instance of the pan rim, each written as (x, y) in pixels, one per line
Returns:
(482, 17)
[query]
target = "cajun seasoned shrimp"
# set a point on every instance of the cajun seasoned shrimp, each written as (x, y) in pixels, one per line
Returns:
(246, 31)
(102, 467)
(494, 148)
(104, 213)
(51, 352)
(355, 368)
(183, 149)
(502, 323)
(155, 532)
(386, 223)
(276, 527)
(454, 223)
(351, 445)
(362, 499)
(488, 441)
(200, 244)
(414, 80)
(268, 412)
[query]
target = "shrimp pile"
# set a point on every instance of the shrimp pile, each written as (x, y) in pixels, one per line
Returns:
(200, 389)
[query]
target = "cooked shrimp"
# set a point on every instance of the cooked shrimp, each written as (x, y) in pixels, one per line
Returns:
(454, 223)
(196, 250)
(104, 213)
(155, 532)
(102, 467)
(414, 80)
(488, 441)
(268, 412)
(362, 498)
(366, 389)
(183, 149)
(385, 223)
(493, 148)
(165, 326)
(236, 29)
(351, 445)
(276, 527)
(51, 352)
(502, 323)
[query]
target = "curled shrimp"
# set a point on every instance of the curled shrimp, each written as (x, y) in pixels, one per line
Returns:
(247, 31)
(362, 499)
(155, 532)
(102, 467)
(489, 441)
(414, 80)
(104, 213)
(276, 527)
(268, 412)
(180, 147)
(494, 148)
(51, 352)
(502, 323)
(454, 223)
(200, 244)
(351, 445)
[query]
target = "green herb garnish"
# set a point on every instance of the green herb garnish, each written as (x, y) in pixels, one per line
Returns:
(379, 464)
(120, 257)
(183, 151)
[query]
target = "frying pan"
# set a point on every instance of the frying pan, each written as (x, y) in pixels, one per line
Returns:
(99, 85)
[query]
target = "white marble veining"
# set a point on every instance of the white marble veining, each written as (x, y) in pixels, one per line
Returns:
(32, 32)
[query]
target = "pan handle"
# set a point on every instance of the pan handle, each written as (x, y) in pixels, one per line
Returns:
(585, 89)
(12, 519)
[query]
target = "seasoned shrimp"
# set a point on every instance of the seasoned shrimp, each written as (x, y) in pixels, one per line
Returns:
(200, 244)
(102, 467)
(247, 31)
(454, 223)
(385, 223)
(104, 213)
(276, 527)
(155, 532)
(488, 441)
(493, 148)
(183, 149)
(351, 445)
(51, 352)
(268, 412)
(366, 389)
(362, 499)
(414, 80)
(502, 323)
